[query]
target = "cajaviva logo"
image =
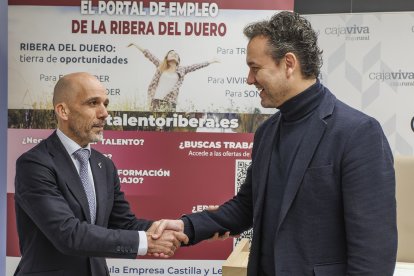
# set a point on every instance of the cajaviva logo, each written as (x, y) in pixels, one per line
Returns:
(395, 78)
(392, 75)
(347, 30)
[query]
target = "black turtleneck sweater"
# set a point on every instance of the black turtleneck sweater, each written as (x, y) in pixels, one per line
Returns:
(295, 115)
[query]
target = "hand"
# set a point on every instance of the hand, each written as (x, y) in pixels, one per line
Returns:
(218, 237)
(136, 46)
(167, 224)
(158, 228)
(166, 244)
(153, 226)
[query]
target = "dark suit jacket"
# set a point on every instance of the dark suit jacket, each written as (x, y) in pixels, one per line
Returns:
(53, 221)
(338, 213)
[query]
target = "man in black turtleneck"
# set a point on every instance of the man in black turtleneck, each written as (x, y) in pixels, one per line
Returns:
(320, 192)
(295, 115)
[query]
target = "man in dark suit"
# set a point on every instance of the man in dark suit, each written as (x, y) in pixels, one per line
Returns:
(320, 191)
(70, 215)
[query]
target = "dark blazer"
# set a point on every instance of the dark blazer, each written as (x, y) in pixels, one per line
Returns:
(338, 213)
(53, 221)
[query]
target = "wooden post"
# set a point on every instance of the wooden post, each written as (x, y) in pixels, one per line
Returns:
(236, 263)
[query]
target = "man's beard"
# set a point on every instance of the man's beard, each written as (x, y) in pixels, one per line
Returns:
(98, 137)
(90, 136)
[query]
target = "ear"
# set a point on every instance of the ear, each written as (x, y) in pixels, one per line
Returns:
(291, 63)
(62, 111)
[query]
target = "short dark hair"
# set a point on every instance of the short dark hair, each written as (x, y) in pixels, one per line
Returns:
(289, 32)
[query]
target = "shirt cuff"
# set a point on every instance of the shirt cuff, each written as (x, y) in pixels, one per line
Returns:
(143, 243)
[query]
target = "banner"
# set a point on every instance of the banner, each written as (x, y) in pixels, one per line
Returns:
(3, 133)
(366, 66)
(170, 161)
(194, 153)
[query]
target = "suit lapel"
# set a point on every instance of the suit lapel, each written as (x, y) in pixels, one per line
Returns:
(307, 148)
(101, 188)
(68, 172)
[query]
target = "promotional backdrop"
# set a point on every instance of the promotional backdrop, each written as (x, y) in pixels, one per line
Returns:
(3, 132)
(171, 163)
(367, 64)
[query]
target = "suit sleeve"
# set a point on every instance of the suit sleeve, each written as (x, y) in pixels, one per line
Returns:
(40, 198)
(368, 186)
(235, 215)
(121, 216)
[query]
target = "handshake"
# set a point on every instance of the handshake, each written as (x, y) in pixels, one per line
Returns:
(166, 236)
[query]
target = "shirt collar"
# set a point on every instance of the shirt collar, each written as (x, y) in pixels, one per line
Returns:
(70, 145)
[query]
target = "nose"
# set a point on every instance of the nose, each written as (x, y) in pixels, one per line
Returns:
(250, 78)
(103, 112)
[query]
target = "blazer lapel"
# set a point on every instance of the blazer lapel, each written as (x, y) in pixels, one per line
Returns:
(68, 172)
(307, 148)
(101, 188)
(262, 163)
